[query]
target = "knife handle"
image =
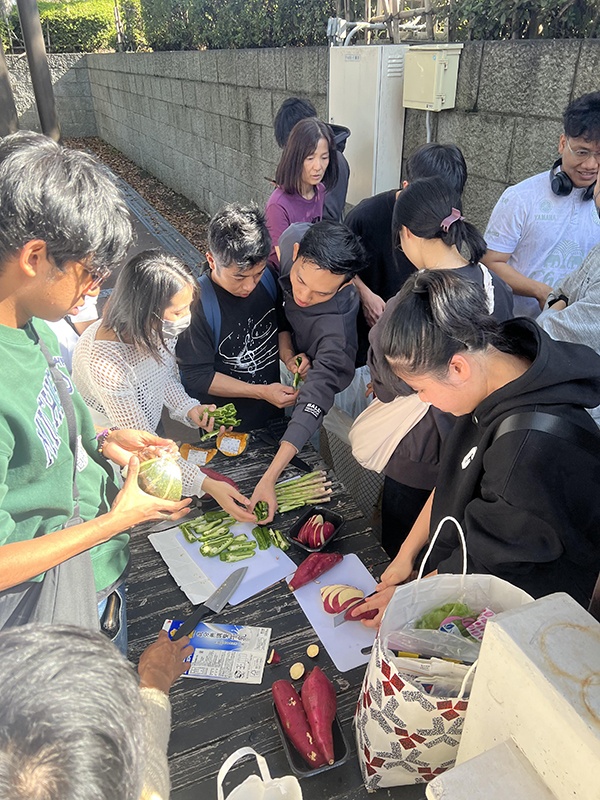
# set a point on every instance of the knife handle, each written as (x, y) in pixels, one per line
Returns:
(189, 624)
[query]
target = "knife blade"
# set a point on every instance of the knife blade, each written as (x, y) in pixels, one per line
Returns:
(340, 618)
(215, 603)
(272, 441)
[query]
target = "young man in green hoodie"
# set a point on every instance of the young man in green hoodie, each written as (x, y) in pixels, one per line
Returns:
(63, 228)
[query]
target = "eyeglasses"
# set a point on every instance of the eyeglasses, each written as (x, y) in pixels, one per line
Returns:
(583, 155)
(97, 277)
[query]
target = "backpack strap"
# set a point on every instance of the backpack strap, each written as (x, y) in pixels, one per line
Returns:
(268, 281)
(554, 426)
(210, 304)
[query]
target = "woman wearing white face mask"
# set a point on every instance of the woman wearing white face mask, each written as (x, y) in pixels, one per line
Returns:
(124, 365)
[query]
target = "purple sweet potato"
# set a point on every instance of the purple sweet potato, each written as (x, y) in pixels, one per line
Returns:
(320, 705)
(371, 614)
(295, 723)
(312, 567)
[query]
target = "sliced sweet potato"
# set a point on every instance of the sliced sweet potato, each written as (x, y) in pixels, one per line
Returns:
(319, 701)
(371, 614)
(295, 722)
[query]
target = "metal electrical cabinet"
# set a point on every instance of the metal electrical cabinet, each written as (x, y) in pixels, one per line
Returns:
(365, 95)
(431, 73)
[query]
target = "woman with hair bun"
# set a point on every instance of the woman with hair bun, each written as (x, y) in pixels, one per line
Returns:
(429, 226)
(521, 468)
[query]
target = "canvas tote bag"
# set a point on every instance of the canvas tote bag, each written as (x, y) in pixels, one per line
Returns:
(377, 432)
(403, 734)
(258, 788)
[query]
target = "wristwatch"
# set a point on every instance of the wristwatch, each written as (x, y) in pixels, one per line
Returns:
(557, 299)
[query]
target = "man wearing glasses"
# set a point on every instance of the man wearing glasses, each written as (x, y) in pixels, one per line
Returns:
(542, 228)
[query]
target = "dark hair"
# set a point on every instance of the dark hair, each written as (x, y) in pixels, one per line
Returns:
(302, 143)
(71, 723)
(422, 206)
(334, 247)
(143, 290)
(290, 112)
(439, 314)
(582, 117)
(442, 160)
(238, 235)
(63, 197)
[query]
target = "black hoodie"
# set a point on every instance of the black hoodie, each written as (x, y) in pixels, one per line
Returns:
(335, 198)
(529, 502)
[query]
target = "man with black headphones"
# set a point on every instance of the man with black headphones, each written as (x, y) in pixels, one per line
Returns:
(541, 228)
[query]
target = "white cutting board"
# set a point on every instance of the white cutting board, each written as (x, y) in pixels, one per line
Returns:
(265, 568)
(345, 642)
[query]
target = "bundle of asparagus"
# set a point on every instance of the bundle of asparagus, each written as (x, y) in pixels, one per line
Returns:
(305, 490)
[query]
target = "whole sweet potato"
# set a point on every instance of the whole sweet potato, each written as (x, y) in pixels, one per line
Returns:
(318, 699)
(295, 723)
(312, 567)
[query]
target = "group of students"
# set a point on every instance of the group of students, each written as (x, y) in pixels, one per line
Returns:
(406, 284)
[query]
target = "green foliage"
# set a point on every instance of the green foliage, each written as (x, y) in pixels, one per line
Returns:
(74, 26)
(198, 24)
(133, 26)
(525, 19)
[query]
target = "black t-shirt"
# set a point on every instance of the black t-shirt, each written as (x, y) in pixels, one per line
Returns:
(387, 266)
(248, 349)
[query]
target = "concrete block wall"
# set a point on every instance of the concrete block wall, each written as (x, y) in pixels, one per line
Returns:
(508, 115)
(202, 122)
(70, 81)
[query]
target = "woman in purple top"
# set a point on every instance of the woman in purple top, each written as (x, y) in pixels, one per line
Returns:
(305, 170)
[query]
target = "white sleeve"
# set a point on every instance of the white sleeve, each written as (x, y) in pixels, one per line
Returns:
(505, 228)
(177, 400)
(156, 708)
(114, 389)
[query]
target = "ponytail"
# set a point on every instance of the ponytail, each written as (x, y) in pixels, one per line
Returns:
(422, 207)
(439, 314)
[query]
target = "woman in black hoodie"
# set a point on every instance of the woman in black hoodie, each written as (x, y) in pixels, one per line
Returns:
(525, 490)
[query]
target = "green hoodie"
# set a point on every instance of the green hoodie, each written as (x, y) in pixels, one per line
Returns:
(36, 463)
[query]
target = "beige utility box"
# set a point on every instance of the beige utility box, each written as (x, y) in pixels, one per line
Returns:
(430, 76)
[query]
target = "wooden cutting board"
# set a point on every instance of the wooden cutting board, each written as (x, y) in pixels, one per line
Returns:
(345, 642)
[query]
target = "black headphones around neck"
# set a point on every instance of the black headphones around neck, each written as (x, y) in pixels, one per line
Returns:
(562, 185)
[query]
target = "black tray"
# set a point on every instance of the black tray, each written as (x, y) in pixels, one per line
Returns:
(328, 516)
(298, 765)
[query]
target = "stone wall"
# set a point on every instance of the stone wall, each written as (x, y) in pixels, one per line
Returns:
(71, 84)
(202, 122)
(509, 105)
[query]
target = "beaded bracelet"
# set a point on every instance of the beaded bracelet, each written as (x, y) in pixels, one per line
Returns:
(103, 436)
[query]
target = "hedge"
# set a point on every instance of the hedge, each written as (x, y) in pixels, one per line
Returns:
(84, 26)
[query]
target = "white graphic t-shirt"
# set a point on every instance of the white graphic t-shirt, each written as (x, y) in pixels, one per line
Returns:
(548, 236)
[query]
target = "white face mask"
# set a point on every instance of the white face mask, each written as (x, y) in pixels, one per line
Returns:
(170, 328)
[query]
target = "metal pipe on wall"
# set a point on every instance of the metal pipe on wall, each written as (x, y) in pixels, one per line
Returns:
(33, 38)
(9, 120)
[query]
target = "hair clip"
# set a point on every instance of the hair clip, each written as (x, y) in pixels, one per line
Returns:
(453, 216)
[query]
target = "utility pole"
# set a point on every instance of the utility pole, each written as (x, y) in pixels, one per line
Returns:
(33, 39)
(9, 121)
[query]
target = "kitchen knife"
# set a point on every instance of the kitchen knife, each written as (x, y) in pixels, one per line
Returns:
(339, 619)
(215, 603)
(270, 440)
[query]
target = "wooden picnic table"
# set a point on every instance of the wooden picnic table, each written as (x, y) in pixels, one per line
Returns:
(212, 719)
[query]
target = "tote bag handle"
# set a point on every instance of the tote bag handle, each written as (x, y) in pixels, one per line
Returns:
(434, 538)
(233, 759)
